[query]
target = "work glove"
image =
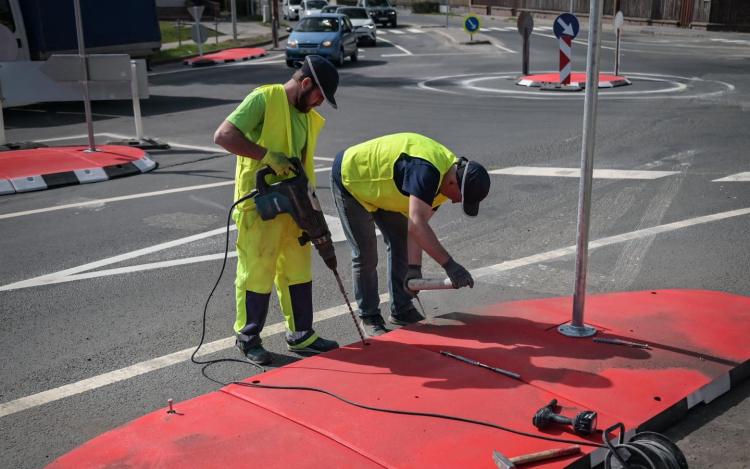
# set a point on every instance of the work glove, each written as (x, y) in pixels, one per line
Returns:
(277, 161)
(459, 276)
(414, 272)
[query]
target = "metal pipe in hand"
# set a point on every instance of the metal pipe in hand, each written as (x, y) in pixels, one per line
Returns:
(419, 284)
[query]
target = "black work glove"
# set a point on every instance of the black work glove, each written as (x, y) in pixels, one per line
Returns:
(459, 276)
(414, 272)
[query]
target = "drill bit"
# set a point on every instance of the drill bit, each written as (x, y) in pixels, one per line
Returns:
(424, 313)
(476, 363)
(620, 342)
(351, 311)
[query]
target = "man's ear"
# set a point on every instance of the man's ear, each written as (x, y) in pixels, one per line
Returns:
(306, 83)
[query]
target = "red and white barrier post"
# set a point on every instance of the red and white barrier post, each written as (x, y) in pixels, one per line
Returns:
(565, 59)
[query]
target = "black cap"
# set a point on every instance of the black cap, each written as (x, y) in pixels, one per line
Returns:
(323, 73)
(474, 187)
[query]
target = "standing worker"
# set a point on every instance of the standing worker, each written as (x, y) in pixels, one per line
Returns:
(397, 182)
(275, 122)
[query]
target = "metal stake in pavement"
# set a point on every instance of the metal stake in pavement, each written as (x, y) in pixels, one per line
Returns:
(85, 76)
(577, 328)
(619, 20)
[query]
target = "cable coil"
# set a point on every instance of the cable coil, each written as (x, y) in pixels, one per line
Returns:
(646, 450)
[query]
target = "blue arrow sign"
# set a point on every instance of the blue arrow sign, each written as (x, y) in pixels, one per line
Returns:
(566, 25)
(472, 23)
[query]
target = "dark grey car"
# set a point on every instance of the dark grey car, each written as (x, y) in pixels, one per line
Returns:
(381, 11)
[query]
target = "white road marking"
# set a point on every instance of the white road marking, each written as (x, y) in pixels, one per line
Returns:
(440, 54)
(397, 46)
(397, 32)
(122, 374)
(739, 177)
(505, 48)
(415, 31)
(576, 172)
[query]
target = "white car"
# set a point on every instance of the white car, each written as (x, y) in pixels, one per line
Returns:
(363, 24)
(312, 7)
(290, 9)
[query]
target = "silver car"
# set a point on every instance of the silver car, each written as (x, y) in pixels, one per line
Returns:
(363, 24)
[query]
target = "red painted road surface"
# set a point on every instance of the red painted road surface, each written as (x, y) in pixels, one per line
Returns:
(52, 160)
(231, 55)
(698, 349)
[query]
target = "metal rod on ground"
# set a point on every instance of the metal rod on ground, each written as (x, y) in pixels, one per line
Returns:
(136, 100)
(621, 342)
(476, 363)
(577, 328)
(85, 76)
(234, 19)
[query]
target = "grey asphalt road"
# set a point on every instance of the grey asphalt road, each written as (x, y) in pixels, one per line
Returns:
(687, 112)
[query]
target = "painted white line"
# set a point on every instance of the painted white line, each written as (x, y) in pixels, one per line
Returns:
(505, 48)
(327, 168)
(440, 54)
(415, 31)
(115, 376)
(138, 369)
(739, 177)
(323, 158)
(72, 137)
(116, 199)
(576, 172)
(397, 32)
(396, 46)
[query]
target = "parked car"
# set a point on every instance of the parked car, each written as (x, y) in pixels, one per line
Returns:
(329, 35)
(381, 11)
(290, 9)
(312, 7)
(364, 26)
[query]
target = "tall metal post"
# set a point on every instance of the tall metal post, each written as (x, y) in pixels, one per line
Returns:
(234, 20)
(447, 12)
(577, 328)
(571, 5)
(85, 76)
(275, 23)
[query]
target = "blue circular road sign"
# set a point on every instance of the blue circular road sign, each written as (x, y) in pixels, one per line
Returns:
(472, 23)
(566, 25)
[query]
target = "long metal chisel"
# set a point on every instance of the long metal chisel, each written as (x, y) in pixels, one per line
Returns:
(472, 362)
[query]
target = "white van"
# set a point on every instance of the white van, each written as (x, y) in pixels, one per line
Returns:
(290, 9)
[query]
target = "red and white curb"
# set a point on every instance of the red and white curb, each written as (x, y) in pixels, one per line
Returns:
(81, 176)
(524, 81)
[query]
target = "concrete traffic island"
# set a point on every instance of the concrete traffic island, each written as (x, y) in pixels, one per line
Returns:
(692, 348)
(576, 80)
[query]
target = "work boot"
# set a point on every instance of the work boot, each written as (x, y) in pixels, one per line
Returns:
(373, 326)
(404, 319)
(320, 345)
(258, 355)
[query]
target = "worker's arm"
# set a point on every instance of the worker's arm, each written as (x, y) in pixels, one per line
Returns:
(421, 237)
(234, 141)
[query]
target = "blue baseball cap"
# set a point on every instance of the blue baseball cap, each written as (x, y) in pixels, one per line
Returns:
(475, 185)
(322, 73)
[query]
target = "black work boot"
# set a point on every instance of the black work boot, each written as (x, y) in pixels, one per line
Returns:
(373, 326)
(257, 355)
(320, 345)
(404, 319)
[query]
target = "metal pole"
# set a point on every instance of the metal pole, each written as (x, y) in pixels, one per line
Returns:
(216, 29)
(136, 100)
(617, 51)
(526, 53)
(275, 23)
(571, 5)
(577, 328)
(85, 75)
(234, 19)
(447, 13)
(179, 33)
(200, 40)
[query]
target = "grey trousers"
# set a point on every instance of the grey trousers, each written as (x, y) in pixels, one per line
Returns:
(359, 229)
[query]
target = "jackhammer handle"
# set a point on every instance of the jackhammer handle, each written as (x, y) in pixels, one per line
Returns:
(260, 175)
(419, 284)
(548, 454)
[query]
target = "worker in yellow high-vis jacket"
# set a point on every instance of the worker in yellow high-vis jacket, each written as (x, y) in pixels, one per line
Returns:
(273, 123)
(396, 183)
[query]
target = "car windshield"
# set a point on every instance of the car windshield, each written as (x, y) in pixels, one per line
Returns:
(315, 5)
(354, 13)
(294, 3)
(330, 9)
(378, 3)
(318, 25)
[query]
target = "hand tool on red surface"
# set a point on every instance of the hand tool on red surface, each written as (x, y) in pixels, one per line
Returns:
(504, 462)
(584, 423)
(472, 362)
(620, 342)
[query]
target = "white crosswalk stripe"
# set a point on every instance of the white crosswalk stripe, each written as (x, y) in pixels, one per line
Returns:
(397, 32)
(576, 173)
(543, 28)
(731, 41)
(415, 30)
(739, 177)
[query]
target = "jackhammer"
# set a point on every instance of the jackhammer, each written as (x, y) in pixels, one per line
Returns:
(296, 197)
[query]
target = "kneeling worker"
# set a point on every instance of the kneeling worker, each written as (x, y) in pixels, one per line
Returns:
(397, 182)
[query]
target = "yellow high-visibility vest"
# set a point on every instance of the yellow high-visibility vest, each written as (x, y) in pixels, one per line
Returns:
(367, 169)
(276, 136)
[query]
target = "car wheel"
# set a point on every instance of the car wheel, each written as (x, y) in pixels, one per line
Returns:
(374, 43)
(355, 55)
(394, 24)
(290, 63)
(340, 58)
